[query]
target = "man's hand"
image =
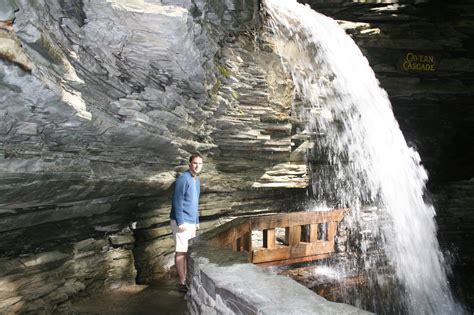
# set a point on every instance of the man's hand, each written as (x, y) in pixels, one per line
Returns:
(181, 228)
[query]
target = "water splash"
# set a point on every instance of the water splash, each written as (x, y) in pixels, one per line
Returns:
(368, 160)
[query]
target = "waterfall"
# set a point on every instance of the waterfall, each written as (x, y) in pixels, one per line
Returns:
(368, 159)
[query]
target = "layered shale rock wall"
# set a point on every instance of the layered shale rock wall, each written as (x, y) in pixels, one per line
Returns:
(101, 104)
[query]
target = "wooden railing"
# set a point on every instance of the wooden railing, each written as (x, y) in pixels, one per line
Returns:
(307, 236)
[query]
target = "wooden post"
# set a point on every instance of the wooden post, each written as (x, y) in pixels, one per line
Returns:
(332, 230)
(295, 235)
(238, 245)
(247, 242)
(269, 238)
(313, 233)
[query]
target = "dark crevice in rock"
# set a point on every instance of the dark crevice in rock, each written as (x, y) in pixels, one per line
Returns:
(74, 9)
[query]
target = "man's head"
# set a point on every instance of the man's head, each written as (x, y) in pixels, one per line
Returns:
(195, 164)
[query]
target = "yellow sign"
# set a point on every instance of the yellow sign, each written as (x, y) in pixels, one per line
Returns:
(419, 62)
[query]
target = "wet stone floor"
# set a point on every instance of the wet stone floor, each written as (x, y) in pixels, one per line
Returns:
(161, 297)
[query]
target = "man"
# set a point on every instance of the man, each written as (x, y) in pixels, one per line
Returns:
(185, 215)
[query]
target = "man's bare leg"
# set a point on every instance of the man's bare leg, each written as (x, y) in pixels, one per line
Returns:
(180, 262)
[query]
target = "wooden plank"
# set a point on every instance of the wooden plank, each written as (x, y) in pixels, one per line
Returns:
(269, 238)
(269, 222)
(223, 239)
(226, 238)
(231, 235)
(223, 229)
(296, 218)
(321, 247)
(277, 253)
(287, 252)
(312, 217)
(285, 262)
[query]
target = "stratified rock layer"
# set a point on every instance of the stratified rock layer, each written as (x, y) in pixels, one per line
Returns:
(101, 104)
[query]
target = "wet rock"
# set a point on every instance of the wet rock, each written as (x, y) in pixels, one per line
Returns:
(120, 240)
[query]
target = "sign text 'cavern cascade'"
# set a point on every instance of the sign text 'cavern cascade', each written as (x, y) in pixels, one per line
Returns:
(419, 62)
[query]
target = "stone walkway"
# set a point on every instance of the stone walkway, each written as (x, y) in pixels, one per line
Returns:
(158, 298)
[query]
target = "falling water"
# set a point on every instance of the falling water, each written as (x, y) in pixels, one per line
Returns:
(368, 157)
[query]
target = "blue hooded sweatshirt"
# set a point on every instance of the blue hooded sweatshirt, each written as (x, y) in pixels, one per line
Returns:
(184, 207)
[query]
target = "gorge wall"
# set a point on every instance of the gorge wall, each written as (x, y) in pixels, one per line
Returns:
(102, 102)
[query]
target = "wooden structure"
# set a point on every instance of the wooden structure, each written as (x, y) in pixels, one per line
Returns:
(308, 236)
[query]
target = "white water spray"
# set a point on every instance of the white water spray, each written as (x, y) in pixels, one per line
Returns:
(370, 160)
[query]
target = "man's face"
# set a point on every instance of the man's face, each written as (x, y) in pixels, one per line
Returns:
(195, 166)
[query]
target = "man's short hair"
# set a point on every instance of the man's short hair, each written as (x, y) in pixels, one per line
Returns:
(193, 156)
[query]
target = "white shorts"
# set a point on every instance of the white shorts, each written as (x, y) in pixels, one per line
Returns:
(181, 239)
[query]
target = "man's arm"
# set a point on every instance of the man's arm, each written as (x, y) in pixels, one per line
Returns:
(198, 192)
(178, 199)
